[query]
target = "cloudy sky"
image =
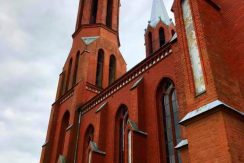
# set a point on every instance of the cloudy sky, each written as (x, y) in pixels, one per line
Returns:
(35, 39)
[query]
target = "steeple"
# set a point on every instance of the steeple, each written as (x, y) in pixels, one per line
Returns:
(158, 33)
(94, 60)
(159, 12)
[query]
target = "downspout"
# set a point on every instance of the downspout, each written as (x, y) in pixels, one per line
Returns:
(77, 137)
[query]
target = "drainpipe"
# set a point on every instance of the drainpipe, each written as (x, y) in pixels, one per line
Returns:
(77, 138)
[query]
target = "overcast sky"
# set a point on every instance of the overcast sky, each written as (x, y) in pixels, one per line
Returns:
(35, 39)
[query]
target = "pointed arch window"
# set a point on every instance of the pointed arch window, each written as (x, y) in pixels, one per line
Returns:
(109, 13)
(64, 126)
(76, 68)
(170, 118)
(87, 152)
(120, 129)
(68, 74)
(150, 46)
(93, 16)
(161, 37)
(99, 73)
(112, 69)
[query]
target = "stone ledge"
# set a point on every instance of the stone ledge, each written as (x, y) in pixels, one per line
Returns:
(182, 144)
(206, 108)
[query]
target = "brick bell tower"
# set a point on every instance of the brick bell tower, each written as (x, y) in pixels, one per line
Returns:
(94, 63)
(160, 29)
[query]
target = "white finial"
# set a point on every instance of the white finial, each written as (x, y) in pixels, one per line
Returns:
(159, 12)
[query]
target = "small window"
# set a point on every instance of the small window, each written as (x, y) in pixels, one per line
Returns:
(161, 37)
(112, 69)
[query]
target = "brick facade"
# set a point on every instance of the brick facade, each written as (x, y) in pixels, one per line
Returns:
(212, 124)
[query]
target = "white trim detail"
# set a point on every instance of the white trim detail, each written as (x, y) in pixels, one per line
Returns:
(207, 108)
(89, 40)
(101, 107)
(136, 83)
(181, 144)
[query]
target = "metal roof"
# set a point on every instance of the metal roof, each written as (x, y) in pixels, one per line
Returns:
(159, 12)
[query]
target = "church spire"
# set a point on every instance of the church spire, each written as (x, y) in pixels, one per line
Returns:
(159, 12)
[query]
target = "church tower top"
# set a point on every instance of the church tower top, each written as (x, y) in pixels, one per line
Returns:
(160, 29)
(159, 12)
(96, 12)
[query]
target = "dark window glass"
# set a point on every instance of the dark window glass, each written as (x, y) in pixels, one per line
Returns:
(109, 13)
(99, 73)
(112, 69)
(93, 16)
(170, 119)
(161, 37)
(82, 3)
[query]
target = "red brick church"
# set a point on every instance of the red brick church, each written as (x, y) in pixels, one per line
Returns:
(183, 103)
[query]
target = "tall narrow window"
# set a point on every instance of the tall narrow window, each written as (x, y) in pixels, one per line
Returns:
(109, 13)
(150, 46)
(76, 68)
(99, 73)
(170, 119)
(87, 153)
(64, 125)
(112, 69)
(120, 128)
(68, 75)
(93, 16)
(161, 37)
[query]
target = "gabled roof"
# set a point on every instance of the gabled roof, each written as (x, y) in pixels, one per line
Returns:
(159, 12)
